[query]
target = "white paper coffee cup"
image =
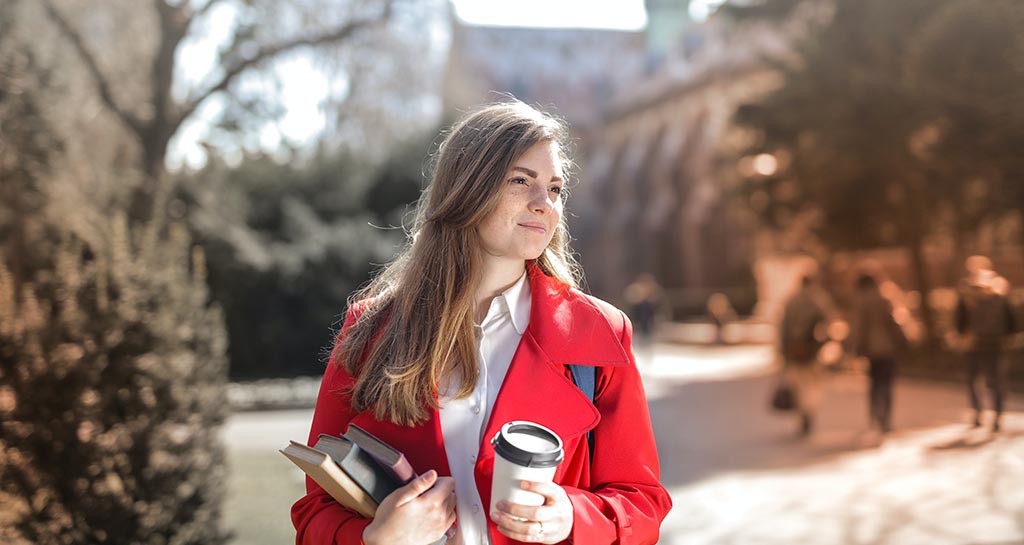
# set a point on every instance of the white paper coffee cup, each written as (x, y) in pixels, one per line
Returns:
(524, 451)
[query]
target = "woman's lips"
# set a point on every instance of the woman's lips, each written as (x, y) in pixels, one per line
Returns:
(536, 227)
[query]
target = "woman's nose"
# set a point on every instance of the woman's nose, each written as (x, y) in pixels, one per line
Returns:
(540, 200)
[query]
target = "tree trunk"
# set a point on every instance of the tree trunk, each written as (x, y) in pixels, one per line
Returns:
(143, 200)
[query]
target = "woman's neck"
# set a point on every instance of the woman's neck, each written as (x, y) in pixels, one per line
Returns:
(498, 275)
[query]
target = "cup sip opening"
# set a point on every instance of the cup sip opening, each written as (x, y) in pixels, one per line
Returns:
(528, 444)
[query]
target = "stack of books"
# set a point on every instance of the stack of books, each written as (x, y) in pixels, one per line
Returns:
(357, 469)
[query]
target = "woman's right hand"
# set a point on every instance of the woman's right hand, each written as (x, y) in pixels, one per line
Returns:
(415, 514)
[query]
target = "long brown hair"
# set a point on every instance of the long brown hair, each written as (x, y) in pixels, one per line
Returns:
(417, 329)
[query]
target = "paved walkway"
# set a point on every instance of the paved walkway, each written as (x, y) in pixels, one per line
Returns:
(737, 473)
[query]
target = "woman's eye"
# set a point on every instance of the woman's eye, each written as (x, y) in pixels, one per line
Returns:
(520, 181)
(557, 190)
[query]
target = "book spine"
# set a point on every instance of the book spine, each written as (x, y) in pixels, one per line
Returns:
(364, 471)
(402, 472)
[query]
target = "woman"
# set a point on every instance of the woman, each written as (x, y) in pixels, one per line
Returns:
(472, 326)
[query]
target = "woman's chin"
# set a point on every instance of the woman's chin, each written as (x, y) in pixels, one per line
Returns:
(530, 256)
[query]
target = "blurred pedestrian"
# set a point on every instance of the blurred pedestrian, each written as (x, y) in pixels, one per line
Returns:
(876, 335)
(721, 313)
(984, 321)
(801, 335)
(644, 296)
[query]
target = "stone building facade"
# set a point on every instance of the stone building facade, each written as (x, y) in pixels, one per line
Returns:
(658, 196)
(651, 111)
(572, 72)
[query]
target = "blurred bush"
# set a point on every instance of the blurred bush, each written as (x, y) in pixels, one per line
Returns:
(288, 242)
(112, 363)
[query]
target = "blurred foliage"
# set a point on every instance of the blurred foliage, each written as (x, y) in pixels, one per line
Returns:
(112, 363)
(286, 242)
(289, 242)
(896, 122)
(890, 111)
(229, 98)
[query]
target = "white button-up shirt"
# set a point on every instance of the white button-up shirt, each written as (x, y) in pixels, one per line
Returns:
(463, 420)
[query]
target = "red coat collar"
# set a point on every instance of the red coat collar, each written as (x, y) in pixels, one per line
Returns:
(566, 327)
(569, 326)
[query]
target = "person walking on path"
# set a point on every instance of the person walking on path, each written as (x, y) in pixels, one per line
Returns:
(644, 296)
(876, 335)
(801, 336)
(985, 321)
(478, 322)
(721, 313)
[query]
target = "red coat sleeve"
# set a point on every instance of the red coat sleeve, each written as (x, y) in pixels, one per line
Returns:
(626, 502)
(318, 518)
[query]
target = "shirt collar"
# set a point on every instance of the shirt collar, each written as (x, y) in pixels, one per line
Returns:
(515, 302)
(518, 300)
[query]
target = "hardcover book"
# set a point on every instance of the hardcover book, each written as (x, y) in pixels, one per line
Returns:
(322, 469)
(357, 469)
(375, 480)
(390, 459)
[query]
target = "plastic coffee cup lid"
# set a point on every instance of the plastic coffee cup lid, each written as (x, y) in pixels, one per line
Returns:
(528, 444)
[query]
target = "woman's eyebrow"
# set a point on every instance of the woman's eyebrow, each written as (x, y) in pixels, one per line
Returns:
(533, 174)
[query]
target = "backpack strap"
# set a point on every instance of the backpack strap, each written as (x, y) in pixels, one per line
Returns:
(585, 377)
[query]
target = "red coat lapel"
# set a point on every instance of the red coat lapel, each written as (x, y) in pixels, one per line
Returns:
(565, 328)
(569, 326)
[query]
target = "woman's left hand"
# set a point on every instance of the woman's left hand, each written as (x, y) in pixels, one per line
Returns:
(548, 523)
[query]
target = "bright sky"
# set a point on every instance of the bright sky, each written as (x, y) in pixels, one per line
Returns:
(304, 86)
(616, 14)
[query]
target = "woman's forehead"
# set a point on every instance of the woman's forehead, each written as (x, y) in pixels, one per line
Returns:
(539, 155)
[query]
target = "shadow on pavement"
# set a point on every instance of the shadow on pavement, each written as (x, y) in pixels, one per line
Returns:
(739, 474)
(969, 440)
(713, 426)
(709, 427)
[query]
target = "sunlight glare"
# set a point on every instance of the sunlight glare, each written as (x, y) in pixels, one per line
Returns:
(608, 14)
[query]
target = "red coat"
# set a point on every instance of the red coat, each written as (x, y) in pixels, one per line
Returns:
(616, 497)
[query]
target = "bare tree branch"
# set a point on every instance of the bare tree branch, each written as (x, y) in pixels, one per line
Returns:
(102, 85)
(266, 53)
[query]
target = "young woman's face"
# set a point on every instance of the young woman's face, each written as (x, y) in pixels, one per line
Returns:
(529, 209)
